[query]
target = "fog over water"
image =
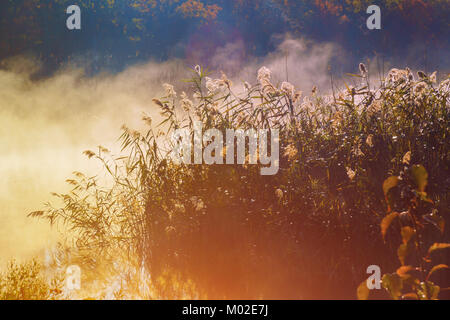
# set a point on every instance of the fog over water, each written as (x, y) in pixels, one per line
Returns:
(46, 123)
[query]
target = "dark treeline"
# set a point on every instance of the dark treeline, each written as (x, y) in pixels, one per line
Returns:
(118, 33)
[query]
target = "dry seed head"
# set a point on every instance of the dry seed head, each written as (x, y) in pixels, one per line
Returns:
(135, 134)
(420, 88)
(410, 75)
(290, 152)
(158, 102)
(147, 119)
(433, 77)
(264, 75)
(397, 76)
(297, 96)
(357, 151)
(103, 149)
(279, 194)
(186, 104)
(170, 91)
(211, 85)
(198, 69)
(288, 89)
(407, 158)
(369, 140)
(197, 95)
(444, 86)
(225, 80)
(350, 173)
(89, 153)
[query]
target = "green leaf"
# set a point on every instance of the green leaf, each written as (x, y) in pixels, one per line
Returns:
(420, 177)
(393, 284)
(363, 291)
(438, 246)
(386, 222)
(389, 183)
(428, 291)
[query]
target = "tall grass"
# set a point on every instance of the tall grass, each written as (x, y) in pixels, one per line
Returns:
(225, 231)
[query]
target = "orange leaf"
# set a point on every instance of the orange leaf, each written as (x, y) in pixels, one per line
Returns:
(389, 183)
(407, 234)
(436, 268)
(363, 292)
(410, 296)
(403, 271)
(438, 246)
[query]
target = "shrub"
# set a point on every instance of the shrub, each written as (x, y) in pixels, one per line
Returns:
(25, 281)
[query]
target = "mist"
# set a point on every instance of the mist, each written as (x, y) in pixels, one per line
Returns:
(46, 124)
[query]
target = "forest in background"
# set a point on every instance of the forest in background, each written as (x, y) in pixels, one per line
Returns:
(119, 33)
